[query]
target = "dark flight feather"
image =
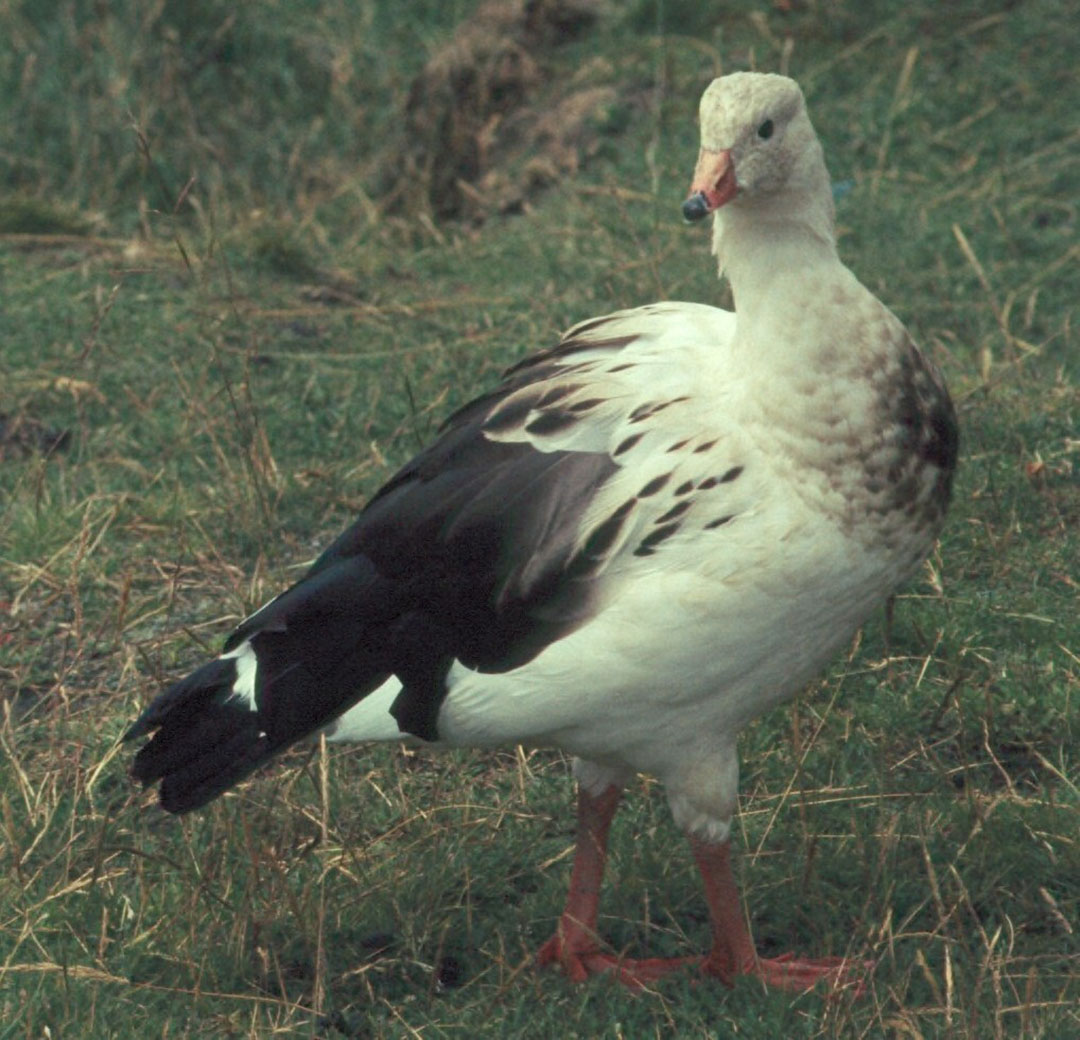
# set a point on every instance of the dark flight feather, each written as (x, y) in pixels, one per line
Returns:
(469, 552)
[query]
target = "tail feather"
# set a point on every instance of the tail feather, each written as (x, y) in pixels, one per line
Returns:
(203, 744)
(184, 699)
(290, 670)
(182, 743)
(216, 768)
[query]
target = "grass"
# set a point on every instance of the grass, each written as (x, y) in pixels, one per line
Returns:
(202, 287)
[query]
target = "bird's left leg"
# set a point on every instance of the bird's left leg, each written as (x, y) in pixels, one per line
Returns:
(733, 950)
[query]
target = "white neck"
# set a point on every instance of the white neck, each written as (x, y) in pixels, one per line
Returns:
(758, 245)
(756, 236)
(760, 253)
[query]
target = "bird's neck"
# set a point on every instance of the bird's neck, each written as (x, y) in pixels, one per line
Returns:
(762, 248)
(795, 301)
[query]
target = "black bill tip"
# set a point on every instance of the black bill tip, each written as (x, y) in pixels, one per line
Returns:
(695, 208)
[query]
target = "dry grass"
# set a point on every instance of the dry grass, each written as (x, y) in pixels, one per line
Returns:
(239, 360)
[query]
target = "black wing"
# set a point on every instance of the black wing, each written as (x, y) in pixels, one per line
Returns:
(471, 552)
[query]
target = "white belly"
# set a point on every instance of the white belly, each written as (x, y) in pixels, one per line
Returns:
(674, 665)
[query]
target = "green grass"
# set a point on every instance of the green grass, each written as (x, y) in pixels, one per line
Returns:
(240, 358)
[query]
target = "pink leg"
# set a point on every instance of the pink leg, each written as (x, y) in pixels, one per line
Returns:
(733, 951)
(574, 942)
(576, 948)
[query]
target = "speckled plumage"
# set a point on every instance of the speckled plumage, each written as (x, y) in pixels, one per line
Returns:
(740, 542)
(645, 537)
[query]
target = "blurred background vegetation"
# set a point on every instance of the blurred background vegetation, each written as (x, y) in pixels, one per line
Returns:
(250, 255)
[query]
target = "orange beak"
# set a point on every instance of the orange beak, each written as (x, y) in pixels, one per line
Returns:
(712, 186)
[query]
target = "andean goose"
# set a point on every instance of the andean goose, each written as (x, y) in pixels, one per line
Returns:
(644, 538)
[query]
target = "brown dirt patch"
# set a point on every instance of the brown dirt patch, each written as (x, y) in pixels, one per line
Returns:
(485, 124)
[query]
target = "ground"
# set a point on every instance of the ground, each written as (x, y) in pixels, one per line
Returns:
(221, 330)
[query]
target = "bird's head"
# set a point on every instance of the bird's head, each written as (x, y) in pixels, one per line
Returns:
(757, 144)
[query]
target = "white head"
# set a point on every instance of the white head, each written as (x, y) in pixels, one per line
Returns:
(760, 158)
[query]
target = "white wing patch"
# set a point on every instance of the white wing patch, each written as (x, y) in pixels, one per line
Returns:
(370, 719)
(243, 689)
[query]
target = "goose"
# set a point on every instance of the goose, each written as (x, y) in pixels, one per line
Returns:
(642, 539)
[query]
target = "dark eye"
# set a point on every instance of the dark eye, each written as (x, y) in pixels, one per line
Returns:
(765, 130)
